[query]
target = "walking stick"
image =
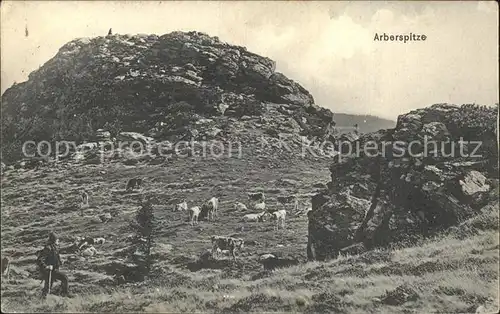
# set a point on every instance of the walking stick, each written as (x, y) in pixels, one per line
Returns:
(50, 281)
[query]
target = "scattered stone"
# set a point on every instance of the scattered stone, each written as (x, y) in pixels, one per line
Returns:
(102, 135)
(271, 261)
(474, 182)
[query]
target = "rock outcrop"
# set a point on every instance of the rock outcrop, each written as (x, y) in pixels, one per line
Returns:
(181, 85)
(438, 167)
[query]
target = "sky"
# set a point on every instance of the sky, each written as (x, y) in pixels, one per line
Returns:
(328, 47)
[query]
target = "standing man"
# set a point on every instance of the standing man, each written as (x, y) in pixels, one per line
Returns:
(49, 262)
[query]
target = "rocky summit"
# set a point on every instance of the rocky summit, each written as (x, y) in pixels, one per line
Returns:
(437, 168)
(182, 85)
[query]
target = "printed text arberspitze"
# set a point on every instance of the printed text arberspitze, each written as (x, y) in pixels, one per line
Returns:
(400, 37)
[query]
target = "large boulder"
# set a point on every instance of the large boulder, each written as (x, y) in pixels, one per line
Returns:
(419, 183)
(128, 271)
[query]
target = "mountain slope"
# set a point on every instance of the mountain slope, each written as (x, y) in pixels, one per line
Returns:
(454, 272)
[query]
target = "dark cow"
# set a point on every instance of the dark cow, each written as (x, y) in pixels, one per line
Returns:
(134, 183)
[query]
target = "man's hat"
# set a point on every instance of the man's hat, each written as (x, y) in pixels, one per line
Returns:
(52, 237)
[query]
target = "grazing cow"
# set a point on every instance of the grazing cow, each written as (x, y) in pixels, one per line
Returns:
(279, 215)
(220, 243)
(194, 213)
(85, 198)
(210, 207)
(259, 206)
(134, 183)
(99, 240)
(240, 206)
(89, 241)
(6, 267)
(181, 206)
(255, 217)
(270, 261)
(90, 251)
(105, 217)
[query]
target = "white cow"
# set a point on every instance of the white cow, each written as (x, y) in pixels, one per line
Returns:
(181, 206)
(279, 215)
(255, 217)
(240, 206)
(259, 206)
(194, 212)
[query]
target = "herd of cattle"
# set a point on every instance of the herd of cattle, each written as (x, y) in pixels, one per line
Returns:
(229, 245)
(208, 210)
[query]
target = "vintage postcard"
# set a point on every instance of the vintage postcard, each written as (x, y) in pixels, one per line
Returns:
(250, 156)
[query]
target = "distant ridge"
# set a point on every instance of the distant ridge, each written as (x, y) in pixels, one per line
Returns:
(366, 123)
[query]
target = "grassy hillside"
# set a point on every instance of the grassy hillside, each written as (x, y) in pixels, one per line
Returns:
(457, 272)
